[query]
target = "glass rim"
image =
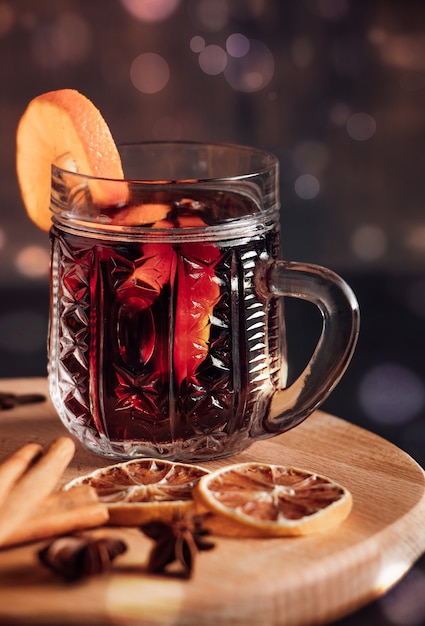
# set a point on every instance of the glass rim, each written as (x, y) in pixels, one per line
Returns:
(271, 163)
(258, 182)
(245, 227)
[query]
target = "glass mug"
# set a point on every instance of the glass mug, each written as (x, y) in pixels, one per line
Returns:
(167, 326)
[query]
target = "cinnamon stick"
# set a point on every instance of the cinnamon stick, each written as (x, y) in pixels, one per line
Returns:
(16, 465)
(67, 499)
(61, 513)
(34, 485)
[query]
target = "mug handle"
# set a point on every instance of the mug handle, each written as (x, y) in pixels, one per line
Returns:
(332, 355)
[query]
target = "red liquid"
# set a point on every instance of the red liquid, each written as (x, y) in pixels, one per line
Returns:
(157, 342)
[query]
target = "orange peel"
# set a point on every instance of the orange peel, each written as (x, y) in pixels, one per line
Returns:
(65, 124)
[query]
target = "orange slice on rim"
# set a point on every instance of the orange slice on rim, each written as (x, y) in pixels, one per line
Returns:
(259, 499)
(143, 490)
(65, 124)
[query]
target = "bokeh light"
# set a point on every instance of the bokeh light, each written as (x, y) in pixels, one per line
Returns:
(253, 71)
(65, 40)
(149, 72)
(23, 331)
(390, 393)
(377, 35)
(307, 187)
(237, 45)
(339, 113)
(361, 126)
(33, 262)
(212, 59)
(405, 51)
(369, 242)
(209, 15)
(197, 43)
(414, 238)
(7, 18)
(311, 156)
(151, 10)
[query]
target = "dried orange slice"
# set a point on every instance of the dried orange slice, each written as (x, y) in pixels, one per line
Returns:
(64, 124)
(142, 490)
(272, 500)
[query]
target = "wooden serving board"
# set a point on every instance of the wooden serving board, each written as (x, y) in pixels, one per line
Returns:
(242, 582)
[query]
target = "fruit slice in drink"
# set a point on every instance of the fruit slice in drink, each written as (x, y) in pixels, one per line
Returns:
(190, 273)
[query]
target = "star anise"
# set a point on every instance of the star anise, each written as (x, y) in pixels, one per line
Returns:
(178, 541)
(76, 557)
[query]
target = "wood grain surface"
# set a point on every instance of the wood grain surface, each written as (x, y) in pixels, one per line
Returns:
(242, 582)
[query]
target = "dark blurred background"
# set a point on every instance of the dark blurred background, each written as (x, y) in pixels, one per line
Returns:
(336, 88)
